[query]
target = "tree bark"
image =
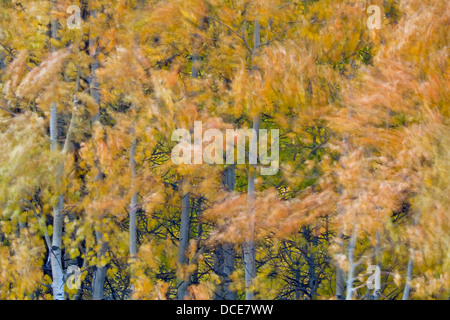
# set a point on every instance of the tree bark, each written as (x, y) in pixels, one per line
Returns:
(350, 278)
(407, 290)
(55, 254)
(133, 209)
(93, 83)
(249, 245)
(98, 285)
(55, 250)
(183, 244)
(100, 272)
(340, 283)
(340, 275)
(312, 283)
(224, 257)
(376, 293)
(185, 224)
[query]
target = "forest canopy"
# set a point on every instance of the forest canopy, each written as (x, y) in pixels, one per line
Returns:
(348, 103)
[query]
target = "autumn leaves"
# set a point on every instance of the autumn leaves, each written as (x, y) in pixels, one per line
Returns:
(134, 119)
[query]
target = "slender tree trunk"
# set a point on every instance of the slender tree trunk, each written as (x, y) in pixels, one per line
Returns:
(195, 59)
(229, 254)
(133, 208)
(68, 261)
(340, 283)
(183, 244)
(55, 254)
(312, 270)
(297, 281)
(340, 275)
(58, 218)
(249, 245)
(376, 293)
(195, 275)
(350, 277)
(100, 272)
(93, 83)
(2, 61)
(185, 224)
(225, 260)
(407, 290)
(98, 285)
(225, 255)
(250, 268)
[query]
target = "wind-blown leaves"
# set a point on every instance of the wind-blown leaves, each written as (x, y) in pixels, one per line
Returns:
(363, 124)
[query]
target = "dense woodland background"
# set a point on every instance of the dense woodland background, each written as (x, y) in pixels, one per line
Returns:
(86, 178)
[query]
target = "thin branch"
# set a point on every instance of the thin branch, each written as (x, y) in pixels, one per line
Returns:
(235, 33)
(12, 113)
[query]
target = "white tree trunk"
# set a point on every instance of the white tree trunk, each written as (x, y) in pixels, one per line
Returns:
(55, 252)
(407, 289)
(350, 277)
(409, 272)
(100, 272)
(376, 293)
